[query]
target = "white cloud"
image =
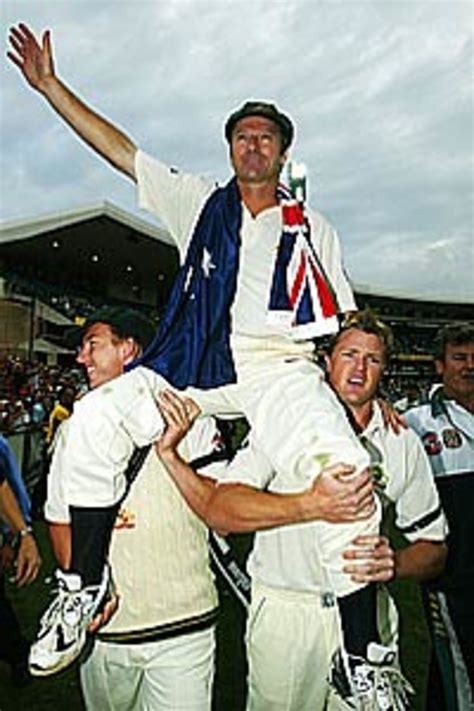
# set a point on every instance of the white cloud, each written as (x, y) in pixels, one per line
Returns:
(381, 93)
(431, 268)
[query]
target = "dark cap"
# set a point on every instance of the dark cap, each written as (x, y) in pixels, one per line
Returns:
(125, 323)
(268, 111)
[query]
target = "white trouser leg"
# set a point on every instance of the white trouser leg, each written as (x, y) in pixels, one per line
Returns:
(290, 639)
(111, 677)
(221, 402)
(171, 674)
(298, 420)
(301, 427)
(183, 675)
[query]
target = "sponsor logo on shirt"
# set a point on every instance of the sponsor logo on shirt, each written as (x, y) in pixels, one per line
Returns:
(125, 519)
(431, 444)
(451, 438)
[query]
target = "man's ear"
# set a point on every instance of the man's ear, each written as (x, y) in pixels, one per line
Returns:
(130, 350)
(327, 363)
(283, 158)
(439, 365)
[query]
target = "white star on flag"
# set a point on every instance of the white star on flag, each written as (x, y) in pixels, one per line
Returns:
(207, 263)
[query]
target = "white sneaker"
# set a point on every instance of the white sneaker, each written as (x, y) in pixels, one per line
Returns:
(375, 683)
(63, 627)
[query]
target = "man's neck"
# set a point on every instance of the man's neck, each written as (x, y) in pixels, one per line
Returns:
(363, 414)
(258, 197)
(467, 403)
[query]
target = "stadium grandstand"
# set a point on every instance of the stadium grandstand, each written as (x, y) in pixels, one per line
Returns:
(57, 268)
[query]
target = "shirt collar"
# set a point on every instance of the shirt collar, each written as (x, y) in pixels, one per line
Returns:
(376, 422)
(438, 400)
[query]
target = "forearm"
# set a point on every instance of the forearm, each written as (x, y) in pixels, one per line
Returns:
(60, 537)
(196, 490)
(235, 508)
(422, 560)
(238, 508)
(9, 509)
(105, 138)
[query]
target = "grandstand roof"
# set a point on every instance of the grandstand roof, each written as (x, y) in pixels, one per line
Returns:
(96, 249)
(33, 227)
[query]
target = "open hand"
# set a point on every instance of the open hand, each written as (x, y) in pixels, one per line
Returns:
(179, 414)
(392, 418)
(338, 496)
(373, 560)
(103, 617)
(28, 561)
(35, 61)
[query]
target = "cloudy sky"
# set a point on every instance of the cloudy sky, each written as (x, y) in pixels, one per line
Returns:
(381, 93)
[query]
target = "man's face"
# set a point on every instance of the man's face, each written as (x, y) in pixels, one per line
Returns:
(256, 150)
(102, 354)
(356, 366)
(457, 371)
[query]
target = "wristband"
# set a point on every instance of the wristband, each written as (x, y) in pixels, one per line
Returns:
(27, 531)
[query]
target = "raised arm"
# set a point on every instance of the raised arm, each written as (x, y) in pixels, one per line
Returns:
(36, 63)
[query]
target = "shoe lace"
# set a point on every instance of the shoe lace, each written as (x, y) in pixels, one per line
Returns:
(372, 686)
(67, 605)
(59, 591)
(391, 688)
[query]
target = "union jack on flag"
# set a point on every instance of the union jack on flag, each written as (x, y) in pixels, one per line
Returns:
(301, 298)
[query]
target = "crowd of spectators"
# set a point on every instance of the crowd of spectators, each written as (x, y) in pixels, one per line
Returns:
(35, 397)
(29, 391)
(404, 391)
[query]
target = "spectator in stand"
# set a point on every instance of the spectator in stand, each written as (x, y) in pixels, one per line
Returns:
(5, 415)
(20, 417)
(412, 398)
(61, 411)
(18, 376)
(38, 411)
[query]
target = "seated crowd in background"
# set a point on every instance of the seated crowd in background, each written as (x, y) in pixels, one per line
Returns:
(29, 391)
(36, 397)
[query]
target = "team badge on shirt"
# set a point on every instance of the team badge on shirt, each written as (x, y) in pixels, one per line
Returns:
(125, 519)
(451, 438)
(431, 444)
